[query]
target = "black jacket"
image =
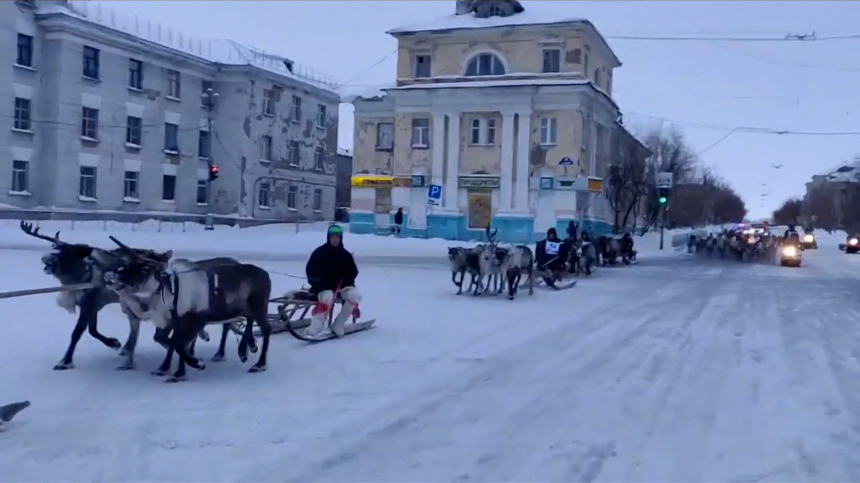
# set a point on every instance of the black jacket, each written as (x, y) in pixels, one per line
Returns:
(330, 267)
(398, 217)
(542, 257)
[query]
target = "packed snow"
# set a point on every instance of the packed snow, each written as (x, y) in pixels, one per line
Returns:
(679, 368)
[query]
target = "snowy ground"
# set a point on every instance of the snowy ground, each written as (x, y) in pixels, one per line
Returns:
(677, 369)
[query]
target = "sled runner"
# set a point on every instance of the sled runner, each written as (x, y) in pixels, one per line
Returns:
(294, 316)
(559, 285)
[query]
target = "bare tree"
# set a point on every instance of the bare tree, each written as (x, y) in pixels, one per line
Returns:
(669, 153)
(627, 176)
(789, 213)
(820, 206)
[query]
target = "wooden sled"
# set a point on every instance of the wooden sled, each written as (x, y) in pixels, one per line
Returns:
(293, 315)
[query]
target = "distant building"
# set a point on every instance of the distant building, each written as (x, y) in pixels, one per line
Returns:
(509, 109)
(113, 113)
(343, 164)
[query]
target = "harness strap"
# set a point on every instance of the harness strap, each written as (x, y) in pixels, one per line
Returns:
(174, 287)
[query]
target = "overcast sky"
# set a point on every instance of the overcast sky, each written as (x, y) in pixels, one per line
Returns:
(705, 88)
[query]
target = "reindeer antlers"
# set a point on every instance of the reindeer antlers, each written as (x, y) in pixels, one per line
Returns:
(34, 232)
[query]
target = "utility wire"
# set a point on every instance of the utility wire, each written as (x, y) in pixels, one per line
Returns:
(747, 129)
(813, 37)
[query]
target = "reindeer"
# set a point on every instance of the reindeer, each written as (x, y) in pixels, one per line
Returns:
(517, 260)
(68, 263)
(184, 296)
(464, 260)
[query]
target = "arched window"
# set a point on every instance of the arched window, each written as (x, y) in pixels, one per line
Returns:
(485, 64)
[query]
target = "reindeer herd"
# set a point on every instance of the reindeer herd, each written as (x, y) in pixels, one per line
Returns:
(180, 297)
(741, 244)
(494, 267)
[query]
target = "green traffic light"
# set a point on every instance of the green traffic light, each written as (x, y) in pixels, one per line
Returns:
(663, 200)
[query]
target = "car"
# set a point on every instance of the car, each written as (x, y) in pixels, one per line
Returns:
(852, 244)
(808, 241)
(790, 255)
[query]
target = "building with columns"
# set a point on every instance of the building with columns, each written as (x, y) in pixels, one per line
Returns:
(509, 110)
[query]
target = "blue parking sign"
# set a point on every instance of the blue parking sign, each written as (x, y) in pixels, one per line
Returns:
(434, 195)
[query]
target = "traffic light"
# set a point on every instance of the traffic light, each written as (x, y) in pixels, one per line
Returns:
(213, 172)
(663, 196)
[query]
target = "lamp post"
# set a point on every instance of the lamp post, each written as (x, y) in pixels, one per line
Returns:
(209, 98)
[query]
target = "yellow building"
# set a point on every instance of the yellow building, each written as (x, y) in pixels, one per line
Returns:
(509, 111)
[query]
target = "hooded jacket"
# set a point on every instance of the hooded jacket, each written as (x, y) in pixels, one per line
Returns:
(330, 267)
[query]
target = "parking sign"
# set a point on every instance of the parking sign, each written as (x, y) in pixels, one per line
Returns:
(434, 195)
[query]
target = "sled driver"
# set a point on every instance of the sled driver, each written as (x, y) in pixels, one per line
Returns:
(549, 256)
(331, 268)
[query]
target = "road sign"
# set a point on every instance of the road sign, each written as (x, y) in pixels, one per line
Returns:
(565, 161)
(664, 180)
(434, 195)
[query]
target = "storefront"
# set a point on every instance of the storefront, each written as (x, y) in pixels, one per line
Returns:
(371, 202)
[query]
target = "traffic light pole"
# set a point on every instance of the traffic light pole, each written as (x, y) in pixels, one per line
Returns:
(209, 98)
(662, 224)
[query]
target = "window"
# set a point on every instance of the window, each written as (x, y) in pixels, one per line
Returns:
(23, 121)
(174, 84)
(297, 109)
(263, 195)
(20, 178)
(202, 192)
(551, 60)
(292, 194)
(25, 51)
(495, 11)
(585, 64)
(317, 199)
(321, 115)
(90, 123)
(130, 186)
(91, 63)
(269, 102)
(171, 138)
(485, 64)
(295, 153)
(597, 77)
(134, 131)
(491, 131)
(266, 148)
(385, 136)
(318, 159)
(476, 131)
(421, 133)
(480, 208)
(135, 74)
(168, 187)
(204, 145)
(422, 66)
(548, 130)
(87, 186)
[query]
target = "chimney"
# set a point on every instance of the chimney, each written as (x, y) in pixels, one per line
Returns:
(463, 7)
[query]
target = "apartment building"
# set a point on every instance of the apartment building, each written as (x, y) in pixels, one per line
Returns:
(112, 113)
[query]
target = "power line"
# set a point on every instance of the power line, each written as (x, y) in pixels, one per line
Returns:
(748, 129)
(813, 37)
(761, 58)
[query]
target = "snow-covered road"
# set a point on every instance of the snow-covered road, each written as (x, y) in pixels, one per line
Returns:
(678, 369)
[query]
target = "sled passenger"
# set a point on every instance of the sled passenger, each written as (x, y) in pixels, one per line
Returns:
(331, 267)
(548, 256)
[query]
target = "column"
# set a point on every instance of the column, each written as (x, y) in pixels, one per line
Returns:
(506, 183)
(523, 151)
(453, 183)
(438, 149)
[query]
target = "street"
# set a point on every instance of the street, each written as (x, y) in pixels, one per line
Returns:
(676, 369)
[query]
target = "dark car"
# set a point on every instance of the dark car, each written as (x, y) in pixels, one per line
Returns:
(852, 243)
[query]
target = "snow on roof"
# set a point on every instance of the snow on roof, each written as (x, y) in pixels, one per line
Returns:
(533, 15)
(351, 93)
(220, 51)
(494, 83)
(842, 172)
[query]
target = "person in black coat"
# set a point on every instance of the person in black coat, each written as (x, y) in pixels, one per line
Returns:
(398, 221)
(550, 257)
(332, 268)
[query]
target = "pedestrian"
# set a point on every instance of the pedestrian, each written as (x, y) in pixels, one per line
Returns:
(398, 221)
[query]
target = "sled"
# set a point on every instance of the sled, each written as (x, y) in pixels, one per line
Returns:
(293, 315)
(562, 284)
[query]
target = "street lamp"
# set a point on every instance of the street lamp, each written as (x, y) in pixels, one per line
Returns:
(209, 98)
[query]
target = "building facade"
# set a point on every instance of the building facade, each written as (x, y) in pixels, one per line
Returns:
(107, 113)
(343, 195)
(509, 111)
